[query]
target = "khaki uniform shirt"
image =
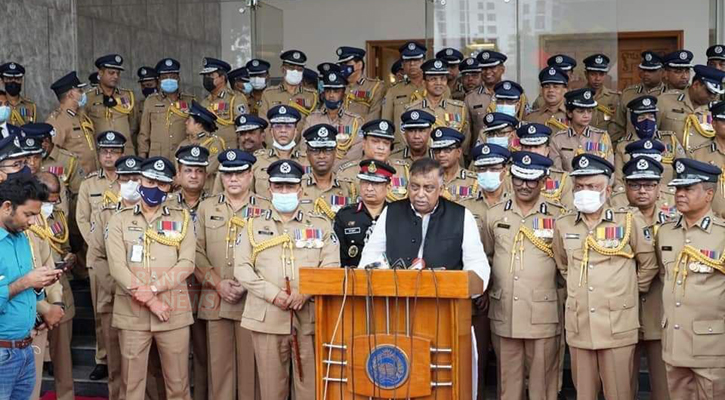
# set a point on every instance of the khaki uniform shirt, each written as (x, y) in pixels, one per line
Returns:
(693, 327)
(463, 185)
(665, 204)
(523, 298)
(302, 99)
(397, 100)
(477, 107)
(74, 132)
(218, 227)
(398, 182)
(66, 167)
(119, 118)
(327, 202)
(95, 191)
(265, 157)
(215, 145)
(710, 152)
(622, 123)
(311, 242)
(673, 150)
(558, 189)
(607, 103)
(42, 257)
(97, 257)
(365, 98)
(602, 305)
(677, 112)
(135, 258)
(349, 138)
(254, 101)
(553, 117)
(163, 125)
(227, 105)
(23, 112)
(449, 113)
(567, 144)
(405, 154)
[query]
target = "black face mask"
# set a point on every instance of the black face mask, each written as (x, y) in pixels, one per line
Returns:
(13, 88)
(148, 91)
(109, 101)
(208, 83)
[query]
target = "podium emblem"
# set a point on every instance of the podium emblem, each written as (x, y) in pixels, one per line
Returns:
(387, 367)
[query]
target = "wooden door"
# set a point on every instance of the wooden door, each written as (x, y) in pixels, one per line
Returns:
(630, 45)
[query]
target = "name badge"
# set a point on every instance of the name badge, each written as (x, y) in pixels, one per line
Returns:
(136, 253)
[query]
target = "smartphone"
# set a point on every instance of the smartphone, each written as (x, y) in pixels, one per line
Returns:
(61, 265)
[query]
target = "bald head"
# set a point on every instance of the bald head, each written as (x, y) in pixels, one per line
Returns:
(50, 180)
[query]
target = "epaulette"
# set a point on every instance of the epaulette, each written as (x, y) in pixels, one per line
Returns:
(399, 162)
(66, 153)
(308, 90)
(456, 102)
(718, 221)
(637, 88)
(259, 152)
(27, 100)
(567, 213)
(346, 165)
(351, 114)
(314, 214)
(92, 174)
(554, 204)
(467, 174)
(594, 129)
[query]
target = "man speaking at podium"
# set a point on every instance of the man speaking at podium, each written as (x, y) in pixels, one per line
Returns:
(426, 230)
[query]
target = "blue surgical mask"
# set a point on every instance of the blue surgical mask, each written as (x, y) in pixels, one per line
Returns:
(333, 105)
(285, 202)
(25, 171)
(4, 113)
(644, 129)
(346, 70)
(502, 141)
(508, 109)
(82, 102)
(247, 88)
(489, 181)
(152, 196)
(169, 85)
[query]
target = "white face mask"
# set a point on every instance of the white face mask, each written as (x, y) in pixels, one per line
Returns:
(489, 181)
(502, 141)
(46, 209)
(258, 82)
(289, 146)
(292, 77)
(129, 191)
(588, 201)
(508, 109)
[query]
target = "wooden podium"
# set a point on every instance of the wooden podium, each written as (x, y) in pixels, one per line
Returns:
(392, 334)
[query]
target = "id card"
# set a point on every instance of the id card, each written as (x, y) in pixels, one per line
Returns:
(137, 253)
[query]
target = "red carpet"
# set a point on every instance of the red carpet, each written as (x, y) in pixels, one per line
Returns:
(51, 396)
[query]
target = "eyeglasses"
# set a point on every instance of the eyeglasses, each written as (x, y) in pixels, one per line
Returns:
(520, 182)
(637, 186)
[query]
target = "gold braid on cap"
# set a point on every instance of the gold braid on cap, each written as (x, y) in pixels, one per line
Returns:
(689, 254)
(590, 243)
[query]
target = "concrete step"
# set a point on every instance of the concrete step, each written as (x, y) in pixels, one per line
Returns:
(81, 384)
(83, 351)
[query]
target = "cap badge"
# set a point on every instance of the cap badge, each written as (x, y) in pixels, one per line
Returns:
(552, 71)
(646, 102)
(583, 162)
(526, 160)
(587, 95)
(159, 165)
(559, 59)
(532, 129)
(507, 86)
(599, 60)
(449, 52)
(683, 55)
(296, 55)
(231, 156)
(372, 168)
(489, 118)
(485, 150)
(255, 63)
(648, 145)
(195, 151)
(383, 126)
(118, 59)
(437, 64)
(16, 142)
(169, 62)
(679, 167)
(143, 71)
(110, 136)
(285, 168)
(439, 133)
(642, 165)
(242, 120)
(469, 61)
(332, 77)
(648, 57)
(414, 115)
(282, 110)
(30, 142)
(339, 52)
(411, 46)
(13, 66)
(485, 55)
(130, 163)
(718, 49)
(322, 132)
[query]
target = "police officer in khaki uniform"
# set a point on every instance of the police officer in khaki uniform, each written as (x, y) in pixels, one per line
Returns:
(270, 250)
(596, 68)
(508, 98)
(499, 130)
(563, 63)
(164, 114)
(523, 307)
(110, 107)
(148, 81)
(363, 95)
(259, 79)
(552, 110)
(290, 92)
(489, 161)
(321, 187)
(713, 152)
(643, 119)
(150, 255)
(73, 129)
(224, 103)
(22, 109)
(239, 82)
(477, 102)
(650, 75)
(354, 223)
(643, 176)
(283, 127)
(686, 113)
(557, 187)
(493, 68)
(458, 183)
(250, 132)
(200, 131)
(221, 219)
(678, 66)
(51, 226)
(416, 126)
(448, 112)
(128, 170)
(470, 76)
(654, 150)
(335, 111)
(407, 91)
(378, 137)
(690, 255)
(607, 258)
(581, 137)
(453, 58)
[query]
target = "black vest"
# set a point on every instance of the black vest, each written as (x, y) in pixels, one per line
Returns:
(443, 242)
